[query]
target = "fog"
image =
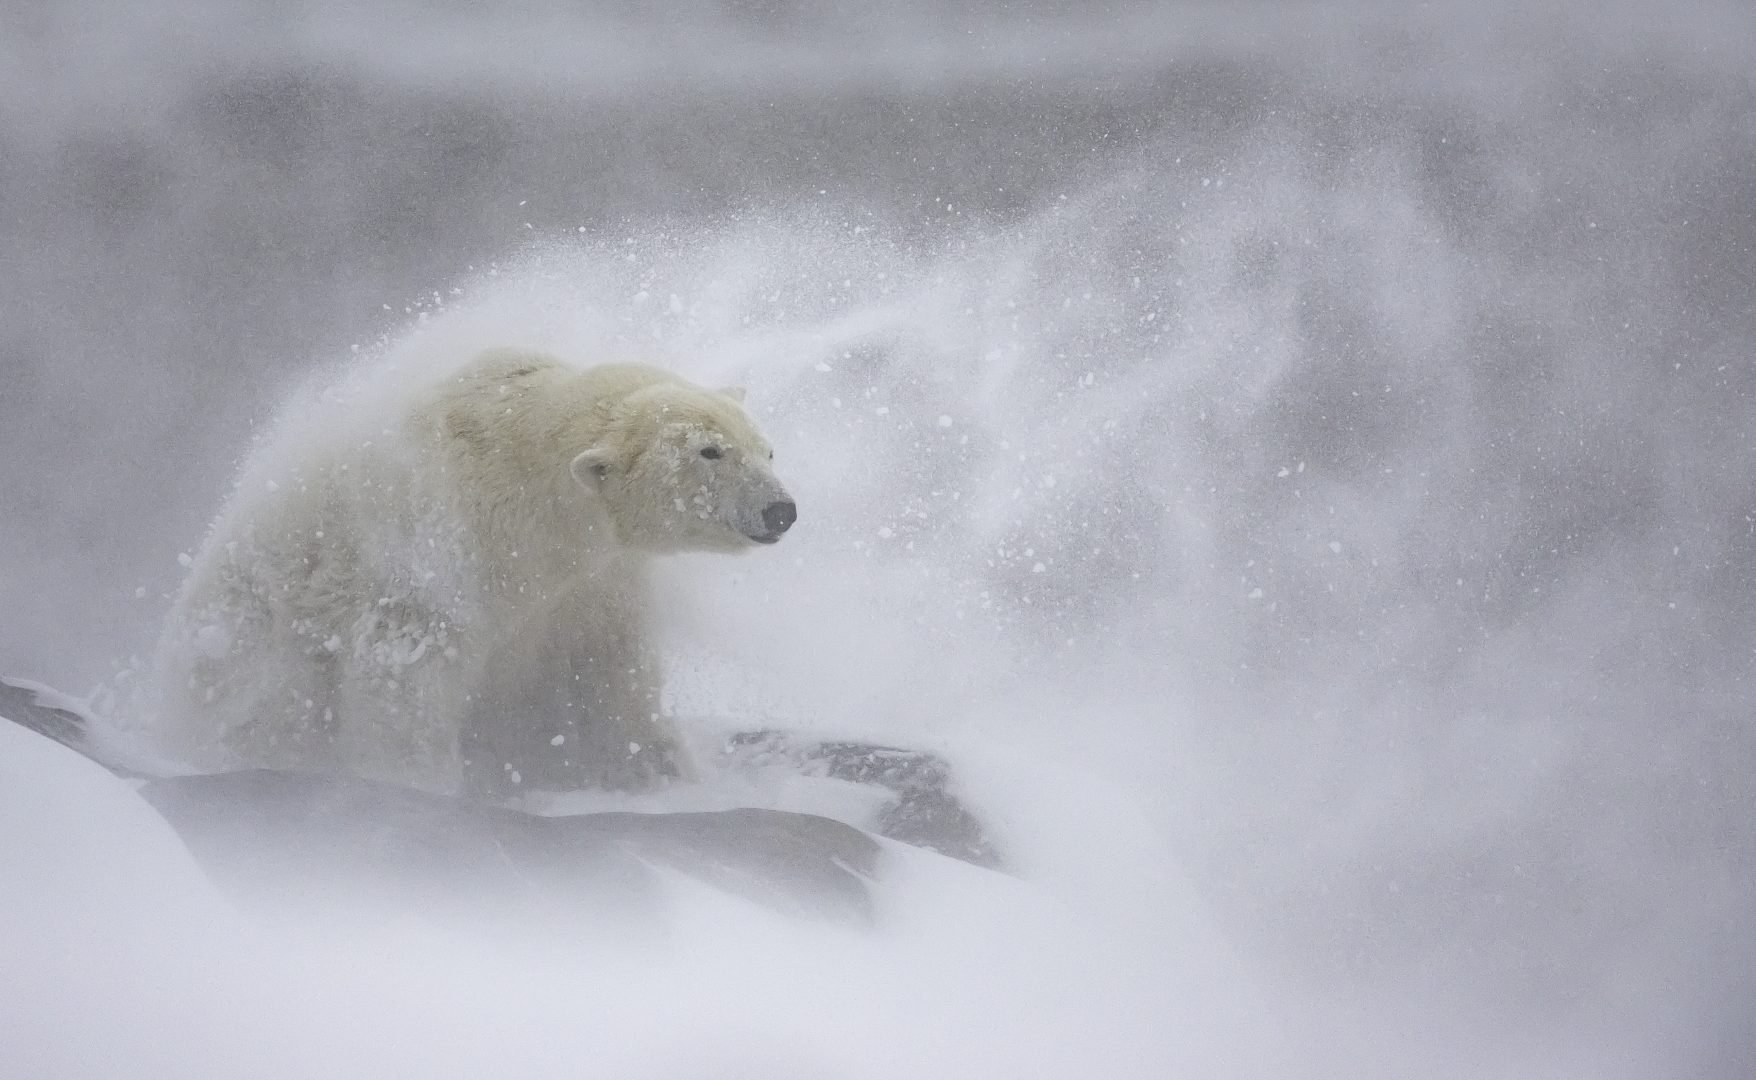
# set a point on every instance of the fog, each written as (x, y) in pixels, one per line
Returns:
(1296, 461)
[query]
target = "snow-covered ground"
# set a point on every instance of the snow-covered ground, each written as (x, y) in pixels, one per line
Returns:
(125, 961)
(1294, 461)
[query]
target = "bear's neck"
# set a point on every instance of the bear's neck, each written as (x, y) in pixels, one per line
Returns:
(555, 539)
(514, 492)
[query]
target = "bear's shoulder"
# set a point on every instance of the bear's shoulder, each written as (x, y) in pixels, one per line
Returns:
(514, 367)
(509, 365)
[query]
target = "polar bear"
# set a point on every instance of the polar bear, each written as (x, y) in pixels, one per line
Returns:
(453, 595)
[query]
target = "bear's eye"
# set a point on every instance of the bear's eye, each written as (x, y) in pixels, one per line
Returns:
(711, 453)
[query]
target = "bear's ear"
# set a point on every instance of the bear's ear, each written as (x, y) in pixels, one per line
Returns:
(736, 393)
(591, 468)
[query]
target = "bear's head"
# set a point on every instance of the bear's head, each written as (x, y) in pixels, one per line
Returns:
(680, 467)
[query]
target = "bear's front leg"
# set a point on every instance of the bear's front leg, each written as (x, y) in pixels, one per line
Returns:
(571, 703)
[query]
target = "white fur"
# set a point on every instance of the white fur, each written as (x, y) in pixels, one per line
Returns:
(451, 591)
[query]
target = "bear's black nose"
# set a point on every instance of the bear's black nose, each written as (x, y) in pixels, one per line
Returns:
(778, 517)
